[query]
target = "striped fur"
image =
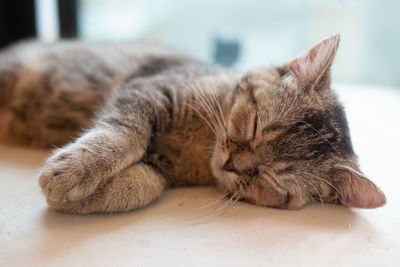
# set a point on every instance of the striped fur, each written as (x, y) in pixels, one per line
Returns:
(140, 118)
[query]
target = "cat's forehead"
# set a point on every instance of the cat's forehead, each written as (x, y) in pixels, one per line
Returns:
(274, 96)
(267, 85)
(260, 79)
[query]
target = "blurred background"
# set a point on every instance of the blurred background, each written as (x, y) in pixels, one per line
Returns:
(241, 34)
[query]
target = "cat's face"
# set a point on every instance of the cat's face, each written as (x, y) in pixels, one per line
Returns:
(287, 142)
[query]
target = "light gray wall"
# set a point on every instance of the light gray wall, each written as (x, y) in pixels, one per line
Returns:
(270, 32)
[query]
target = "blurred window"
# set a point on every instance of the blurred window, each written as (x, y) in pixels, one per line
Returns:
(250, 33)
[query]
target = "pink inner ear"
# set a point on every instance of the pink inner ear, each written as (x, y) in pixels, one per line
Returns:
(361, 193)
(309, 56)
(311, 64)
(294, 66)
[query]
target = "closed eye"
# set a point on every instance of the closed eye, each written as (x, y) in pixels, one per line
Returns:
(244, 144)
(272, 128)
(251, 173)
(255, 126)
(240, 144)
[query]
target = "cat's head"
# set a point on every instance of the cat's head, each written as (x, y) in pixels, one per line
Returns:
(287, 141)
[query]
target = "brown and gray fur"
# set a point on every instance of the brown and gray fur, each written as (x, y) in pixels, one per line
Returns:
(143, 118)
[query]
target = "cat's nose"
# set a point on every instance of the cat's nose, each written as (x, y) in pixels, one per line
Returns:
(228, 166)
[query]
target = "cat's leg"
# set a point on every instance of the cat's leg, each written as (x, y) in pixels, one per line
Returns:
(76, 170)
(119, 139)
(46, 107)
(133, 188)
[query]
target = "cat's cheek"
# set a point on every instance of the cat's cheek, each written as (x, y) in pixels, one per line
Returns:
(215, 166)
(223, 178)
(218, 160)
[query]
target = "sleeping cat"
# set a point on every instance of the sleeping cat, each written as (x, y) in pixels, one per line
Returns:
(144, 118)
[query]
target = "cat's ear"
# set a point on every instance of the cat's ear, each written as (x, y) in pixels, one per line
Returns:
(312, 70)
(353, 189)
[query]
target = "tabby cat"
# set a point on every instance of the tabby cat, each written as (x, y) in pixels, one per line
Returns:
(143, 118)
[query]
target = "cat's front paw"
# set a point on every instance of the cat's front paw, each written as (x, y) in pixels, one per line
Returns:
(68, 176)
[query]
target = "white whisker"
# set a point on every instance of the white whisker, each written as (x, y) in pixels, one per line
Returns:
(328, 183)
(201, 116)
(315, 188)
(358, 174)
(309, 125)
(218, 200)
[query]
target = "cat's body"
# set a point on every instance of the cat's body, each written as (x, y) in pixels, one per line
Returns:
(155, 118)
(45, 74)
